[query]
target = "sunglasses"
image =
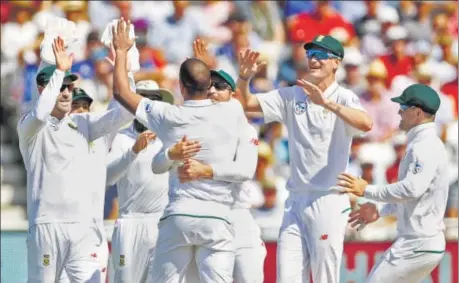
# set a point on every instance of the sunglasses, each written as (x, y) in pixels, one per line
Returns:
(404, 107)
(220, 85)
(68, 86)
(319, 54)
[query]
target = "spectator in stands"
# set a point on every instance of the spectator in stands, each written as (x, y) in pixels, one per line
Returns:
(376, 101)
(397, 62)
(451, 90)
(353, 78)
(370, 15)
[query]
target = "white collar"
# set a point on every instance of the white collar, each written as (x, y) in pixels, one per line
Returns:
(421, 128)
(198, 102)
(330, 90)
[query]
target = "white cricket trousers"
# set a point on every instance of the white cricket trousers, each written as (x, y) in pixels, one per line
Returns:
(133, 248)
(409, 260)
(102, 255)
(311, 237)
(183, 238)
(55, 247)
(250, 248)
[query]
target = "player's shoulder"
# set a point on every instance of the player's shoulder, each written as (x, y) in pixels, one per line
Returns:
(431, 147)
(346, 92)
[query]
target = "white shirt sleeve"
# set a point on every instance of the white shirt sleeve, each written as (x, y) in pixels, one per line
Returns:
(119, 159)
(351, 100)
(161, 162)
(244, 166)
(421, 171)
(151, 113)
(273, 104)
(33, 121)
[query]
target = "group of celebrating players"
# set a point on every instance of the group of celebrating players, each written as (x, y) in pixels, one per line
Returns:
(180, 173)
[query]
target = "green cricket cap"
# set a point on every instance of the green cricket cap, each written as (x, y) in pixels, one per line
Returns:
(45, 75)
(226, 77)
(80, 94)
(420, 95)
(327, 42)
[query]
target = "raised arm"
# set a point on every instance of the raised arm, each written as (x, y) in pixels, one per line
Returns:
(248, 67)
(122, 43)
(33, 121)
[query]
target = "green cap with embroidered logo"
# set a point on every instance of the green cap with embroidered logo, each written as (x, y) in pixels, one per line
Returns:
(420, 95)
(80, 94)
(327, 42)
(46, 73)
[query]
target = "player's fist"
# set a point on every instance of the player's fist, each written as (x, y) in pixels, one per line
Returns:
(184, 149)
(142, 141)
(63, 61)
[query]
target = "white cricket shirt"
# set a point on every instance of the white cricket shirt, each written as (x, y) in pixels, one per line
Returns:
(319, 141)
(419, 197)
(140, 191)
(57, 157)
(216, 126)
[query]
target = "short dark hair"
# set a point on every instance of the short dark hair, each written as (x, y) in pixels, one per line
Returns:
(195, 76)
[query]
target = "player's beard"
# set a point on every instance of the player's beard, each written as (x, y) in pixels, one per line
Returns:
(138, 127)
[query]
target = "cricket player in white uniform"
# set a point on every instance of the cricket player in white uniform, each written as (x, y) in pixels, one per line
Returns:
(55, 149)
(418, 199)
(81, 103)
(321, 118)
(250, 249)
(142, 195)
(196, 222)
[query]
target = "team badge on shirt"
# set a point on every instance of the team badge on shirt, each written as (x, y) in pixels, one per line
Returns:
(46, 260)
(73, 126)
(122, 262)
(417, 167)
(300, 107)
(148, 108)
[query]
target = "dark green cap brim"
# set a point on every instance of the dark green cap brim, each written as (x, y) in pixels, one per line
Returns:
(80, 94)
(45, 75)
(398, 99)
(226, 77)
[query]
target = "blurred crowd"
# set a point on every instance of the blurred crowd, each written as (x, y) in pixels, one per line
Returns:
(388, 46)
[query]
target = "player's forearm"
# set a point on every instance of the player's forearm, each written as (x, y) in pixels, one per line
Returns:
(47, 99)
(399, 192)
(355, 118)
(129, 99)
(161, 162)
(119, 165)
(249, 101)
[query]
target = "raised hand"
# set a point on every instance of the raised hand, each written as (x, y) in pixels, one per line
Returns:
(351, 184)
(63, 61)
(184, 149)
(121, 39)
(200, 51)
(112, 56)
(367, 213)
(249, 65)
(142, 141)
(314, 93)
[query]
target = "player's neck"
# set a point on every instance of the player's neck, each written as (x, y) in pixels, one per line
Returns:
(325, 83)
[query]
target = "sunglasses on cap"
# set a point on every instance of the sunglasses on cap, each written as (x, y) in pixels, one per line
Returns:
(67, 86)
(220, 85)
(319, 54)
